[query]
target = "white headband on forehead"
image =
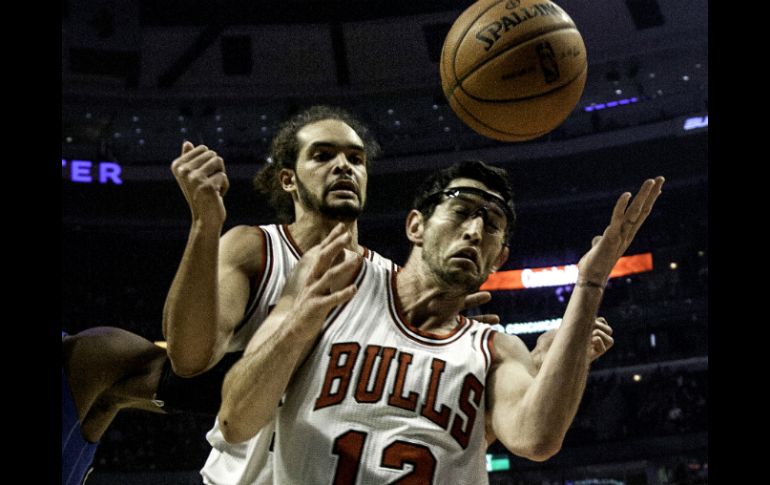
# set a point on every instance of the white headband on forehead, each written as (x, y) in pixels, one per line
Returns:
(488, 196)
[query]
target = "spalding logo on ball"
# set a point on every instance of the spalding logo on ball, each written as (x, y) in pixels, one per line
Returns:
(513, 70)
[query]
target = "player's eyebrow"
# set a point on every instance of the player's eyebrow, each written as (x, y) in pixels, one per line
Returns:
(328, 144)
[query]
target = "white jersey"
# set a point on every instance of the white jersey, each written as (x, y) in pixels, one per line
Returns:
(379, 401)
(250, 462)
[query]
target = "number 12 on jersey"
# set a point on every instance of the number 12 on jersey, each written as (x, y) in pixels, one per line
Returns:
(350, 446)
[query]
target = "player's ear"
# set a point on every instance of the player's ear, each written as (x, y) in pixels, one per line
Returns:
(415, 227)
(287, 179)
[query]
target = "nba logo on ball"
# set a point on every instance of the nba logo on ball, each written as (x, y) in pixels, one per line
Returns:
(548, 63)
(513, 70)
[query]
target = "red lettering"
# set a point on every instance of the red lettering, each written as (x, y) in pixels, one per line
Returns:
(441, 417)
(470, 385)
(397, 398)
(339, 372)
(372, 351)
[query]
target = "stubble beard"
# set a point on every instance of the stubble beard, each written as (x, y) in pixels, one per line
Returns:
(344, 212)
(454, 278)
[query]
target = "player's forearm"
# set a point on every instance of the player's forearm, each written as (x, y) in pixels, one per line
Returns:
(190, 313)
(255, 385)
(550, 404)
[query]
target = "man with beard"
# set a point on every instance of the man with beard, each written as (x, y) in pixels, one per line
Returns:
(370, 375)
(316, 178)
(224, 288)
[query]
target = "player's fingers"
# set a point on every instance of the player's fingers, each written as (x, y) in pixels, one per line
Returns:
(336, 231)
(602, 338)
(601, 324)
(489, 318)
(620, 206)
(635, 208)
(475, 299)
(329, 251)
(652, 196)
(338, 275)
(220, 182)
(337, 297)
(212, 166)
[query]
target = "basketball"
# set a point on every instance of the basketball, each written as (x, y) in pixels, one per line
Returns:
(513, 70)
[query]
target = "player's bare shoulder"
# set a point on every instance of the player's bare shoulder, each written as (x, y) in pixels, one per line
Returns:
(243, 247)
(509, 347)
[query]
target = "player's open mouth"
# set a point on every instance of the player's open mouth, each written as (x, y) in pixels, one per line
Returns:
(345, 188)
(467, 254)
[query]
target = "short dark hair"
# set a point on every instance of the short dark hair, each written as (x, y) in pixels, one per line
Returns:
(284, 151)
(493, 177)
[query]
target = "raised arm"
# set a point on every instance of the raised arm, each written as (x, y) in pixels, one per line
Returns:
(255, 384)
(210, 290)
(531, 415)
